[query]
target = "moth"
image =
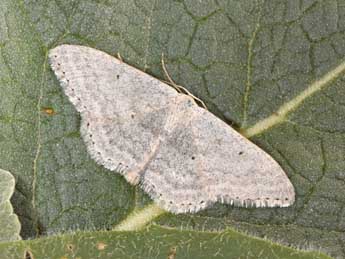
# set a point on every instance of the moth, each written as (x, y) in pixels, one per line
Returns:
(182, 155)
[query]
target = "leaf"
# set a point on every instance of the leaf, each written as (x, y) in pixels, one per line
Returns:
(59, 187)
(9, 223)
(244, 59)
(154, 242)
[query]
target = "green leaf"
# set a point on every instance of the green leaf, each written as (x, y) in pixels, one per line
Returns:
(250, 61)
(9, 223)
(154, 242)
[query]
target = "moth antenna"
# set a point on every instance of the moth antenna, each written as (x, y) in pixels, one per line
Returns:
(180, 88)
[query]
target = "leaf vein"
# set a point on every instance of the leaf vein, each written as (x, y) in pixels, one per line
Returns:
(281, 114)
(248, 86)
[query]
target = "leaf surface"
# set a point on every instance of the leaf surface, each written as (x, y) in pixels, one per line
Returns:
(154, 242)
